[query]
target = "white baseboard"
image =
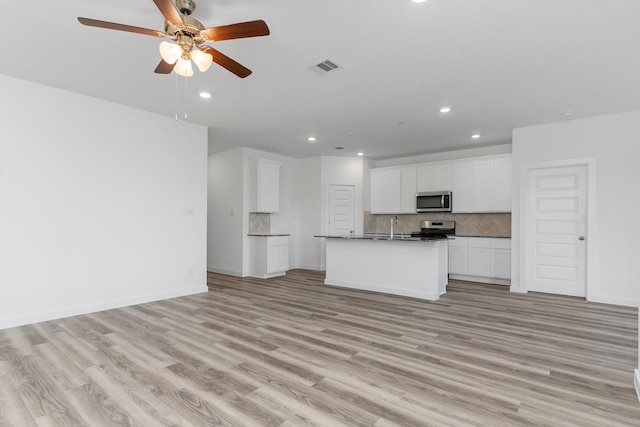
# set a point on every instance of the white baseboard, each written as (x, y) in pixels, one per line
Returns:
(308, 267)
(627, 302)
(225, 271)
(636, 381)
(92, 308)
(504, 282)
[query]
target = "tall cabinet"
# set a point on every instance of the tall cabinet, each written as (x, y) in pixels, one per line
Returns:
(264, 190)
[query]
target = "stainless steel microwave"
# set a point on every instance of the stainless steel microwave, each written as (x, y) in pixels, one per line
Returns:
(433, 201)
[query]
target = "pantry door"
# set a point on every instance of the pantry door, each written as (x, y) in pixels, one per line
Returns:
(556, 256)
(342, 210)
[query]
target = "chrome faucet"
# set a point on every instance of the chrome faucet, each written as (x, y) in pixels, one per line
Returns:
(396, 221)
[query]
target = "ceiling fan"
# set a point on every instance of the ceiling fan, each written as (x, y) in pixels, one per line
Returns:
(189, 36)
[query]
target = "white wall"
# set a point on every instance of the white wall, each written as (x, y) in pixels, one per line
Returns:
(226, 218)
(101, 205)
(613, 141)
(310, 206)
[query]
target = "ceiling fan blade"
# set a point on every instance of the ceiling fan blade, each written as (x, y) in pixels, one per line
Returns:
(169, 11)
(120, 27)
(238, 31)
(164, 67)
(226, 62)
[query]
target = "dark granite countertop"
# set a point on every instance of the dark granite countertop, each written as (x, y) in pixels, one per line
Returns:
(268, 234)
(385, 237)
(486, 237)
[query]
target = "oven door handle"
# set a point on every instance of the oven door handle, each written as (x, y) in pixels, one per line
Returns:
(442, 202)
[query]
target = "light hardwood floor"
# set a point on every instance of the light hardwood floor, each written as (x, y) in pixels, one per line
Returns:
(291, 351)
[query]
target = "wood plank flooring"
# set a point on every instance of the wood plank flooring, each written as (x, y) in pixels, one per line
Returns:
(293, 352)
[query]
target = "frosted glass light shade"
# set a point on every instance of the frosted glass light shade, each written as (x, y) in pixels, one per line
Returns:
(202, 60)
(183, 67)
(170, 52)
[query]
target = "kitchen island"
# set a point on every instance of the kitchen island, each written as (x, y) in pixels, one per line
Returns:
(408, 266)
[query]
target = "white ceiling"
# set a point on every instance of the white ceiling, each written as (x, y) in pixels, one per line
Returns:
(499, 64)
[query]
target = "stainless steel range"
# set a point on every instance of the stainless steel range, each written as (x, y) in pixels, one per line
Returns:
(435, 229)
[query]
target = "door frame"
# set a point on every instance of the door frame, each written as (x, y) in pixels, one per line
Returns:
(325, 214)
(592, 238)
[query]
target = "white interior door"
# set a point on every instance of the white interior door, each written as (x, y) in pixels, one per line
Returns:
(341, 210)
(556, 230)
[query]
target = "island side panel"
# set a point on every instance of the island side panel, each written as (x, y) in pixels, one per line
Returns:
(413, 269)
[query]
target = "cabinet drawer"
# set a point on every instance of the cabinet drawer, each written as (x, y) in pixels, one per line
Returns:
(501, 243)
(479, 242)
(458, 242)
(277, 240)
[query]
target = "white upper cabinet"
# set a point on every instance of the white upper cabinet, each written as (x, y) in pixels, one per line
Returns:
(461, 187)
(434, 177)
(264, 186)
(393, 190)
(408, 199)
(386, 191)
(482, 185)
(503, 174)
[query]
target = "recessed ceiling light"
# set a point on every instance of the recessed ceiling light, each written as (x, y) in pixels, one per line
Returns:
(475, 136)
(418, 1)
(361, 154)
(445, 109)
(205, 95)
(311, 139)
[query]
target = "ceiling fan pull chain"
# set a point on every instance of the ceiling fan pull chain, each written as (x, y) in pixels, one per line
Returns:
(186, 83)
(176, 97)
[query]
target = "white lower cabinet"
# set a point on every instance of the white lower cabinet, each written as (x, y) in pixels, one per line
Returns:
(480, 259)
(458, 256)
(269, 256)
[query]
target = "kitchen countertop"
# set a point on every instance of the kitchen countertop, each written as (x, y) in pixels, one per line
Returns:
(397, 237)
(268, 234)
(487, 237)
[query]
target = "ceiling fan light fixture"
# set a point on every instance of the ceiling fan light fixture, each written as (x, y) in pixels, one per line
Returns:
(202, 60)
(183, 67)
(170, 52)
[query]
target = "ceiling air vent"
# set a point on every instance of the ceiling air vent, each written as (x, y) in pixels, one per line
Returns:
(325, 67)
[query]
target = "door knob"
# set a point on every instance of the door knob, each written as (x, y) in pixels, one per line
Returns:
(581, 238)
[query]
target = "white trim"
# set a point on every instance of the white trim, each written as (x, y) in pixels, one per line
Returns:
(225, 271)
(325, 214)
(489, 280)
(636, 381)
(308, 267)
(592, 238)
(92, 308)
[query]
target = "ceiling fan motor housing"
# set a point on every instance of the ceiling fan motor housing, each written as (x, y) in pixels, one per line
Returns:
(186, 7)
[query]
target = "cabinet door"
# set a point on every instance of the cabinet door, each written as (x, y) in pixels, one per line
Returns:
(386, 188)
(482, 185)
(479, 257)
(278, 259)
(270, 187)
(434, 177)
(501, 258)
(458, 256)
(460, 188)
(265, 186)
(408, 202)
(501, 263)
(502, 196)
